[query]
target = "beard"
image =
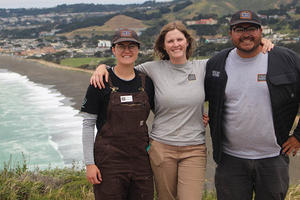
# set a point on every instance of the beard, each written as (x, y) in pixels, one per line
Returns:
(255, 40)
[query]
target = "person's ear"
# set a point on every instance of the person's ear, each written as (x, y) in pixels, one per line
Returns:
(113, 49)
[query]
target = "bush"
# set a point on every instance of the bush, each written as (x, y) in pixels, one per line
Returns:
(21, 184)
(69, 183)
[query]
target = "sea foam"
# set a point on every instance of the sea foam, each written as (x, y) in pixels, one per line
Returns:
(35, 121)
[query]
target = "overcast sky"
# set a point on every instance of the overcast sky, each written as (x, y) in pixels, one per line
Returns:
(53, 3)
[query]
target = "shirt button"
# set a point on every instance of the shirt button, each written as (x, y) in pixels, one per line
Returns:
(292, 95)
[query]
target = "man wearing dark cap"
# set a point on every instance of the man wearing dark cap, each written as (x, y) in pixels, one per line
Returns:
(253, 102)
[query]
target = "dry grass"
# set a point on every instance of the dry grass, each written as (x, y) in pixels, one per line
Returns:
(64, 184)
(293, 193)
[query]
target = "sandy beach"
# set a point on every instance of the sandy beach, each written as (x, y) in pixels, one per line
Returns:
(73, 84)
(70, 83)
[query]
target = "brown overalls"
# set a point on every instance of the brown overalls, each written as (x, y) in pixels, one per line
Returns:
(120, 148)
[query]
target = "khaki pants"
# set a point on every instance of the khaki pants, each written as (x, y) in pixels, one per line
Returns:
(179, 171)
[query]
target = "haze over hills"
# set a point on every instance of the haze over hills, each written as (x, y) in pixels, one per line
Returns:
(220, 7)
(74, 19)
(83, 25)
(151, 13)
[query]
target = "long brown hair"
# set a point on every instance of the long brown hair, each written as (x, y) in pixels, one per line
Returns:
(159, 49)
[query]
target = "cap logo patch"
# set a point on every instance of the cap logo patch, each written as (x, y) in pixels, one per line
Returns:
(245, 15)
(125, 33)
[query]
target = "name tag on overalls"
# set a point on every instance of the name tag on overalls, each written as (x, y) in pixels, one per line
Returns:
(127, 98)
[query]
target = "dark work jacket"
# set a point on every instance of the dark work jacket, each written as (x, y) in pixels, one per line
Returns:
(283, 80)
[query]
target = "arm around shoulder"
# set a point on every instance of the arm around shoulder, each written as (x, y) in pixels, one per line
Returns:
(150, 91)
(146, 67)
(97, 78)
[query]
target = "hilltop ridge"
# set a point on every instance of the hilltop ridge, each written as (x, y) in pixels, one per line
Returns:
(118, 21)
(81, 30)
(82, 18)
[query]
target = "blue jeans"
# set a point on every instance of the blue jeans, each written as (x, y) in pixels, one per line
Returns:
(238, 179)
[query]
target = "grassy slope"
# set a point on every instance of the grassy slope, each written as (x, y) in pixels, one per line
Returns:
(76, 62)
(222, 7)
(61, 184)
(109, 27)
(219, 7)
(70, 183)
(18, 183)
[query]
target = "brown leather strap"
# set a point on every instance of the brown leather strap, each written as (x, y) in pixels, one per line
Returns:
(143, 79)
(112, 87)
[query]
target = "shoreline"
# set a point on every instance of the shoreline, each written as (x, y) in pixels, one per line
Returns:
(70, 82)
(50, 64)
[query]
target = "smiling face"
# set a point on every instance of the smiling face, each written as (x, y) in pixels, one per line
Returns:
(175, 44)
(246, 39)
(126, 53)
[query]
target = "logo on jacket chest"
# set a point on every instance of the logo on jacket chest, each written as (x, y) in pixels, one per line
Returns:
(215, 73)
(261, 77)
(192, 77)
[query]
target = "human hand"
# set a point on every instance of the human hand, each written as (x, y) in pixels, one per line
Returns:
(205, 119)
(267, 45)
(93, 174)
(97, 77)
(292, 145)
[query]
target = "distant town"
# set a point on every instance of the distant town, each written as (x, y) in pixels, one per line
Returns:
(43, 35)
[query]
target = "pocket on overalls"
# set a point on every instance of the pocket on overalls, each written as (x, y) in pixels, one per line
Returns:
(101, 153)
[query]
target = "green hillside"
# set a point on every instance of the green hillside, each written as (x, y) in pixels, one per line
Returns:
(183, 10)
(69, 183)
(88, 20)
(224, 7)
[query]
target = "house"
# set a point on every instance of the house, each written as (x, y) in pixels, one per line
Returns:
(266, 30)
(209, 21)
(104, 43)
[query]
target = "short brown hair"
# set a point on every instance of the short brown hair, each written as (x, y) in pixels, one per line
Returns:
(160, 40)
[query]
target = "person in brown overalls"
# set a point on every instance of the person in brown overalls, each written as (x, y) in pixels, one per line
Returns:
(120, 169)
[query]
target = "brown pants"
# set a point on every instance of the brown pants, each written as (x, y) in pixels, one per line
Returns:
(179, 171)
(124, 186)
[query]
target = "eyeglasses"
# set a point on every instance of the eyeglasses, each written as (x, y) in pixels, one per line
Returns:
(130, 47)
(249, 29)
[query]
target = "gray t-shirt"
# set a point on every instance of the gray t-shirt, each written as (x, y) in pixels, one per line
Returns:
(179, 98)
(248, 122)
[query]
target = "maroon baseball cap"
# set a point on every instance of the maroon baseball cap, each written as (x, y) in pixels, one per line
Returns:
(124, 35)
(245, 16)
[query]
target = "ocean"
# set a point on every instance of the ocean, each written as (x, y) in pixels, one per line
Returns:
(37, 124)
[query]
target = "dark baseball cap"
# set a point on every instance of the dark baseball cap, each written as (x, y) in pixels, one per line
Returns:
(245, 16)
(124, 35)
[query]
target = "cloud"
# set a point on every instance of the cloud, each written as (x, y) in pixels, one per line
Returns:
(53, 3)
